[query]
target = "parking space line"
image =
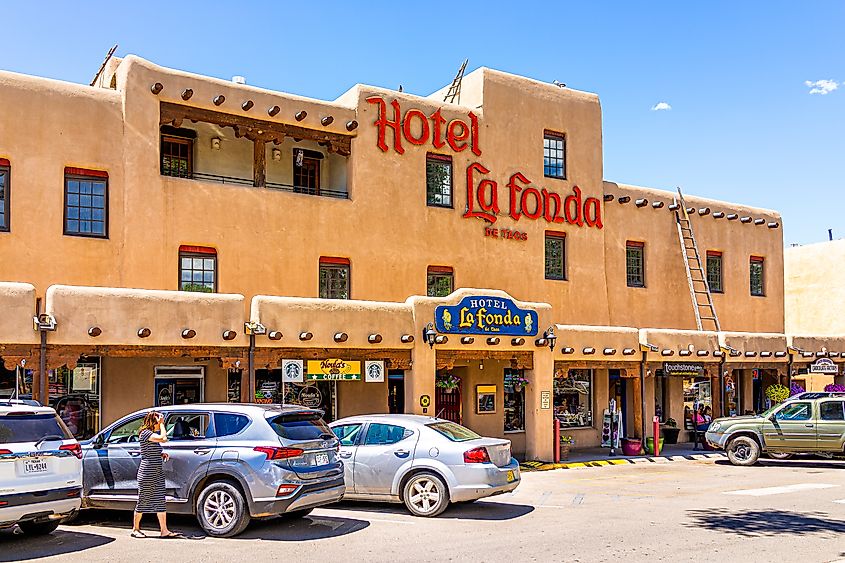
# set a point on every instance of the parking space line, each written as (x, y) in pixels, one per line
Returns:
(765, 491)
(840, 501)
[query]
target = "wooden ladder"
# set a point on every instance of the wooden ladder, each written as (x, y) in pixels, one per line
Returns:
(696, 273)
(454, 92)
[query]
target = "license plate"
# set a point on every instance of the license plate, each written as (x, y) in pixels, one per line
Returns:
(31, 466)
(511, 477)
(322, 459)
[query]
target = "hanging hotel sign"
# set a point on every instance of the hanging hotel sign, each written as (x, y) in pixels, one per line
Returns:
(683, 369)
(520, 198)
(485, 315)
(334, 370)
(824, 365)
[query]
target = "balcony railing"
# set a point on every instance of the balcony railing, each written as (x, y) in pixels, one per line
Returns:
(270, 185)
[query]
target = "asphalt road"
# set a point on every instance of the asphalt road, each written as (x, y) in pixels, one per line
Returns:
(667, 511)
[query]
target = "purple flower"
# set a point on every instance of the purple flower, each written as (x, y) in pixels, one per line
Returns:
(835, 388)
(795, 389)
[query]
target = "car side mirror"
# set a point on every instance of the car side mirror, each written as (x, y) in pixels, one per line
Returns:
(99, 442)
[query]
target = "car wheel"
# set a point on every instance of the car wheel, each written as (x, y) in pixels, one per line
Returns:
(39, 528)
(222, 510)
(297, 514)
(779, 455)
(743, 451)
(425, 494)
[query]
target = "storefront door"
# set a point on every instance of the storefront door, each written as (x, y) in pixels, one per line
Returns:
(447, 403)
(179, 385)
(396, 391)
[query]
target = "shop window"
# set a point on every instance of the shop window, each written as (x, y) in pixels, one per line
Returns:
(5, 180)
(438, 180)
(233, 392)
(86, 203)
(268, 386)
(756, 276)
(306, 171)
(75, 394)
(554, 155)
(573, 398)
(635, 263)
(833, 410)
(714, 271)
(177, 152)
(440, 281)
(697, 394)
(660, 402)
(555, 255)
(197, 269)
(514, 400)
(334, 278)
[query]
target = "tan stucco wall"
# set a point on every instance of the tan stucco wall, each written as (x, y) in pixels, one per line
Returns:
(17, 303)
(815, 290)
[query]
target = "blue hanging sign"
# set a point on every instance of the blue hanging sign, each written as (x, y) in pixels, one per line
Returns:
(485, 315)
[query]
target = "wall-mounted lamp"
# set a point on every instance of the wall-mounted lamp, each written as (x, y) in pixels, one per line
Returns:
(277, 155)
(44, 321)
(429, 334)
(253, 327)
(215, 143)
(550, 337)
(274, 335)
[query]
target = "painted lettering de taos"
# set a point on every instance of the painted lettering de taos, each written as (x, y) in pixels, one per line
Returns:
(485, 315)
(523, 199)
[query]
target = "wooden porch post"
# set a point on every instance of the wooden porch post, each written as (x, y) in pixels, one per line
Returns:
(259, 163)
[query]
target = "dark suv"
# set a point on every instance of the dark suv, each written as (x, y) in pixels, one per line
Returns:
(228, 463)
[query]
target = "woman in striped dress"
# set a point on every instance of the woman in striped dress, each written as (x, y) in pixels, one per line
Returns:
(151, 475)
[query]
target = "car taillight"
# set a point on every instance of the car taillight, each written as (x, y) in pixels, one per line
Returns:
(279, 453)
(5, 452)
(477, 455)
(75, 449)
(285, 490)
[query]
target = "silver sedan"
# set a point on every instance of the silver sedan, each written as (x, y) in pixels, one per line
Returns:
(421, 461)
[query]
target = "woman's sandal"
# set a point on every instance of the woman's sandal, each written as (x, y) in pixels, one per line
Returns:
(138, 534)
(172, 535)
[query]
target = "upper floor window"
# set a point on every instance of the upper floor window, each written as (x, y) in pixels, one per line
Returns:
(86, 203)
(5, 173)
(554, 155)
(714, 271)
(440, 281)
(306, 171)
(438, 180)
(756, 276)
(555, 255)
(635, 263)
(334, 278)
(197, 269)
(177, 152)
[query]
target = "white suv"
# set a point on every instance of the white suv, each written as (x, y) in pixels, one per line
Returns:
(40, 468)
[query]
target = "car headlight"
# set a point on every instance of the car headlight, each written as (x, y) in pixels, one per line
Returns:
(715, 427)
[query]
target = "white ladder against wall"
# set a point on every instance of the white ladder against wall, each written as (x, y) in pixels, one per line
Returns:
(702, 299)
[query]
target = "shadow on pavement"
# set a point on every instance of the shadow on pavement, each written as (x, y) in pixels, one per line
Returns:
(480, 510)
(15, 547)
(765, 523)
(804, 463)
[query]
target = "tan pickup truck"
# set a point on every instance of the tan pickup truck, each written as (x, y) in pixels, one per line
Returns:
(803, 424)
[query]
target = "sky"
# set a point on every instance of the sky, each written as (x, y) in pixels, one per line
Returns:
(740, 101)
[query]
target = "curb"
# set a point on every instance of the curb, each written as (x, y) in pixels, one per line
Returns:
(548, 466)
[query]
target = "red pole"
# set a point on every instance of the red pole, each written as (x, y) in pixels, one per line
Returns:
(656, 432)
(557, 440)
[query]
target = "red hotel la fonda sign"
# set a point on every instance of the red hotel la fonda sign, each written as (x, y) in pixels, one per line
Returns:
(522, 199)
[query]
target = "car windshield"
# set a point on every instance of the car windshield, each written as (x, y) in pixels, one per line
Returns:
(31, 427)
(766, 413)
(455, 432)
(301, 426)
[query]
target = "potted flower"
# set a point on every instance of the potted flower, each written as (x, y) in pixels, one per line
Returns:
(566, 444)
(519, 382)
(670, 431)
(631, 446)
(777, 393)
(448, 382)
(795, 389)
(834, 388)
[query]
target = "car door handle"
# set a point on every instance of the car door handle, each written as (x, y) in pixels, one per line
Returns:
(202, 451)
(134, 454)
(809, 425)
(345, 455)
(401, 453)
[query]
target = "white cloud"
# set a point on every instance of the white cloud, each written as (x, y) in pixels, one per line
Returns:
(822, 87)
(661, 106)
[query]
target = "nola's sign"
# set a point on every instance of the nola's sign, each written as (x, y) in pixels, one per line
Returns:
(485, 315)
(683, 369)
(824, 365)
(334, 370)
(521, 199)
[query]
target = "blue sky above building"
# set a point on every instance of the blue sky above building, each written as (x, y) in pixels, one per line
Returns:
(736, 101)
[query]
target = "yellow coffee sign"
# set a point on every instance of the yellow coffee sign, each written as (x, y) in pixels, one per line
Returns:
(334, 370)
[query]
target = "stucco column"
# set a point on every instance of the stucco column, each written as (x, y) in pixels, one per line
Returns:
(747, 389)
(420, 380)
(539, 429)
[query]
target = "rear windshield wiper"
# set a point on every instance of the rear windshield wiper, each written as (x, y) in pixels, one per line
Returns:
(49, 438)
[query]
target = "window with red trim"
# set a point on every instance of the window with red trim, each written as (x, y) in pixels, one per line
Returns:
(440, 281)
(555, 255)
(554, 155)
(714, 271)
(438, 180)
(334, 278)
(86, 203)
(5, 181)
(197, 269)
(756, 276)
(635, 263)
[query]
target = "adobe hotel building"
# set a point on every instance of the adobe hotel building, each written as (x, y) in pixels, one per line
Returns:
(180, 238)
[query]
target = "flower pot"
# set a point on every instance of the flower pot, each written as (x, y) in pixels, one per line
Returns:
(670, 434)
(649, 445)
(631, 446)
(565, 448)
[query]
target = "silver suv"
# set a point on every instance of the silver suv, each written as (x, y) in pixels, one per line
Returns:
(228, 463)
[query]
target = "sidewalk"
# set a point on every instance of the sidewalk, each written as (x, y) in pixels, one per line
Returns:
(600, 457)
